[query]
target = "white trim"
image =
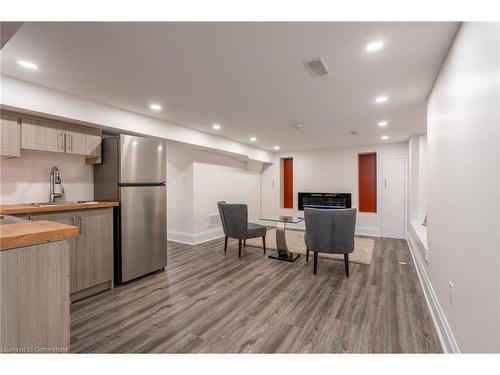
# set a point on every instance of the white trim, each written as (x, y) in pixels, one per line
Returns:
(195, 238)
(446, 337)
(368, 231)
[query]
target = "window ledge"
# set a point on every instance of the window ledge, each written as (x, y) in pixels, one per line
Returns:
(420, 232)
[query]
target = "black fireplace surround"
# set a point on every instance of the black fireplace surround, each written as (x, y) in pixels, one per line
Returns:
(324, 200)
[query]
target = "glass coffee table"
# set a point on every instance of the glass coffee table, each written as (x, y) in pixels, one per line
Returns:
(282, 252)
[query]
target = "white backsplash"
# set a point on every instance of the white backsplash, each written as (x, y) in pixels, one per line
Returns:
(26, 179)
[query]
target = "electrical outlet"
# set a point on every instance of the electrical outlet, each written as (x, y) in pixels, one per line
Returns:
(450, 293)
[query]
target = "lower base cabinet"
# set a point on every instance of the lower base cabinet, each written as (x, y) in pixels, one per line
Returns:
(91, 252)
(34, 295)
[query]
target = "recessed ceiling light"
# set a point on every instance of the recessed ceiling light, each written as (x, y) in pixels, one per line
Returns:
(216, 126)
(374, 46)
(381, 99)
(155, 107)
(382, 123)
(27, 65)
(276, 147)
(384, 137)
(253, 139)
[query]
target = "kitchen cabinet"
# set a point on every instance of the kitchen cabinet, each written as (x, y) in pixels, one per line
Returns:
(34, 290)
(54, 136)
(85, 142)
(94, 255)
(10, 136)
(68, 218)
(42, 135)
(91, 252)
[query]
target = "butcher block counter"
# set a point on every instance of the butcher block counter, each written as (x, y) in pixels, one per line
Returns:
(31, 208)
(29, 233)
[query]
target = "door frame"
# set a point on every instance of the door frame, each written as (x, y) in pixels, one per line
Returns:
(381, 189)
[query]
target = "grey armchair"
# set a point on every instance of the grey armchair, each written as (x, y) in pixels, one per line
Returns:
(234, 218)
(330, 231)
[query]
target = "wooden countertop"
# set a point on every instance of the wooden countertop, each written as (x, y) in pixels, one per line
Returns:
(17, 209)
(33, 232)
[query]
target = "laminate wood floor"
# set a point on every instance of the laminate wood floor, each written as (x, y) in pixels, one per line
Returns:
(209, 301)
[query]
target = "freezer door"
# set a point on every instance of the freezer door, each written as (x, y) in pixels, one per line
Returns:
(142, 160)
(143, 230)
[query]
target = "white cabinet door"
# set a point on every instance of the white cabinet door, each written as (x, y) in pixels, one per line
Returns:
(393, 198)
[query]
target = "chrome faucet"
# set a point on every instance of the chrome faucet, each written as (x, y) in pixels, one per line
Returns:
(55, 179)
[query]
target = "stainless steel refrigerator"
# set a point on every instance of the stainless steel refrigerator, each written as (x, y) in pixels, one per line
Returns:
(133, 172)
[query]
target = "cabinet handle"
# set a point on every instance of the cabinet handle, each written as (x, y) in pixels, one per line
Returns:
(63, 142)
(79, 225)
(71, 139)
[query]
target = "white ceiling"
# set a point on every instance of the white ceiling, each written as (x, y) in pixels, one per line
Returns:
(248, 77)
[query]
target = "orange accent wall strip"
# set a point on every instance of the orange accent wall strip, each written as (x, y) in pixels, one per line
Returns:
(287, 183)
(367, 180)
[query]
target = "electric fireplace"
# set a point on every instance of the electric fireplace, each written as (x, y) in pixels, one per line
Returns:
(324, 200)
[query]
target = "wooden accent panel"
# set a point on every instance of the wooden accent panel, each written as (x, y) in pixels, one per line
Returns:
(367, 180)
(33, 232)
(288, 183)
(16, 209)
(34, 295)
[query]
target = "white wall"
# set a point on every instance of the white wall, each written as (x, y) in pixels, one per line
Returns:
(179, 187)
(218, 177)
(335, 171)
(463, 140)
(26, 179)
(196, 181)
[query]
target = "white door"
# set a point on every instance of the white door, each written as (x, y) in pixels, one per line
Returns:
(268, 192)
(393, 198)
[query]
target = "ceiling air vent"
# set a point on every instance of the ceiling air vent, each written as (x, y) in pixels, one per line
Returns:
(317, 67)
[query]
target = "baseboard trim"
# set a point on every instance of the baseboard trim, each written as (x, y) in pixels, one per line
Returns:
(194, 238)
(446, 337)
(368, 231)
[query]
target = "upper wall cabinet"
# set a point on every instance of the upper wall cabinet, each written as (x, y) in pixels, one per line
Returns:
(10, 136)
(47, 135)
(42, 135)
(81, 141)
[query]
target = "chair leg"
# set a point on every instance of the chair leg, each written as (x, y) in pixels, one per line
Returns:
(239, 248)
(315, 262)
(346, 263)
(307, 255)
(244, 242)
(225, 244)
(264, 243)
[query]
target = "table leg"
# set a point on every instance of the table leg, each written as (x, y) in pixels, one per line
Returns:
(281, 238)
(282, 252)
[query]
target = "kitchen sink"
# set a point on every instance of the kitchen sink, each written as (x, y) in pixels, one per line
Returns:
(59, 203)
